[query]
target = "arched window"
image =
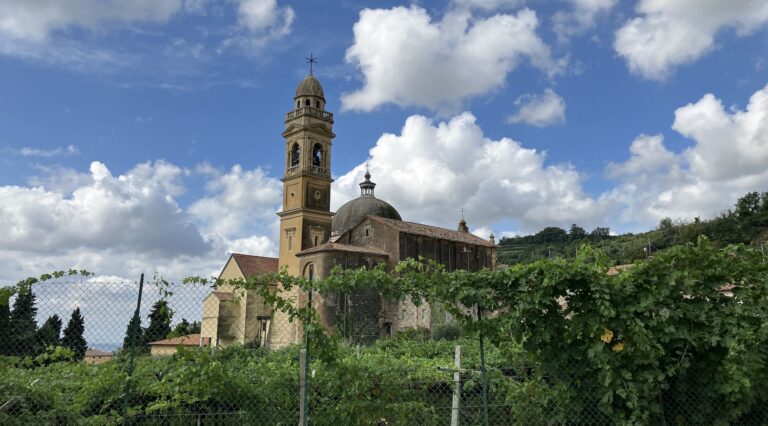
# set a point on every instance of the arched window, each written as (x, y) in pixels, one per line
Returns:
(317, 155)
(295, 153)
(317, 104)
(309, 271)
(298, 104)
(307, 102)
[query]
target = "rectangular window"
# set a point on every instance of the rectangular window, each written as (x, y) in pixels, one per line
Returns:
(289, 237)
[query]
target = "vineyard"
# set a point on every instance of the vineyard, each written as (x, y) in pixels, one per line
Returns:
(681, 338)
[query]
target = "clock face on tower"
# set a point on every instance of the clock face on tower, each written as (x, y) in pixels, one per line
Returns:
(317, 197)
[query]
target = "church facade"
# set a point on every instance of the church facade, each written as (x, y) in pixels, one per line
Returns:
(364, 232)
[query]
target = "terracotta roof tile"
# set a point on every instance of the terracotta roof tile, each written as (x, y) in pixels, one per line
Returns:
(255, 265)
(343, 247)
(188, 340)
(433, 231)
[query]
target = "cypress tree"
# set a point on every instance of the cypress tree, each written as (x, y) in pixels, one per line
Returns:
(134, 326)
(159, 322)
(73, 335)
(49, 334)
(22, 325)
(5, 328)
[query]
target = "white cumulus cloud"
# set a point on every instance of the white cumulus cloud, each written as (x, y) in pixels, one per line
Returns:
(55, 152)
(539, 110)
(132, 223)
(36, 20)
(238, 202)
(408, 59)
(727, 160)
(580, 17)
(669, 33)
(431, 170)
(261, 22)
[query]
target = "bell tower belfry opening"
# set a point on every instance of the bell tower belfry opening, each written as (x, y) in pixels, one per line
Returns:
(305, 220)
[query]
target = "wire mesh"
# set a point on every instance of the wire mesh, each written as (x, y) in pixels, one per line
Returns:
(208, 356)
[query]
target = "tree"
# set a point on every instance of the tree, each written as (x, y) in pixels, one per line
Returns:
(179, 330)
(73, 335)
(5, 328)
(134, 327)
(577, 232)
(49, 334)
(184, 328)
(159, 322)
(551, 234)
(600, 233)
(748, 205)
(22, 324)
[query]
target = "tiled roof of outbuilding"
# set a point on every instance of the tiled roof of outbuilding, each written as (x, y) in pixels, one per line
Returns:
(188, 340)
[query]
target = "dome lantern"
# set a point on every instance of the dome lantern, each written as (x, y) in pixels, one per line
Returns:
(354, 211)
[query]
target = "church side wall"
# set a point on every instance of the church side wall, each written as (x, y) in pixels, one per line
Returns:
(379, 237)
(355, 315)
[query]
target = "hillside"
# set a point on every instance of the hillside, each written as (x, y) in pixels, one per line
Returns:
(746, 223)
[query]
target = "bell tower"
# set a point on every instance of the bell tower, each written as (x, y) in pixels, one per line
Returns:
(305, 220)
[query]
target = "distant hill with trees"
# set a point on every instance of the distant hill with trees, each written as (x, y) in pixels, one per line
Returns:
(746, 223)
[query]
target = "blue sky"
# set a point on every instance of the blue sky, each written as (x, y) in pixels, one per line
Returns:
(145, 136)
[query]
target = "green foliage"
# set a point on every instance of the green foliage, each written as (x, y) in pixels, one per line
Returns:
(681, 336)
(159, 322)
(395, 379)
(18, 332)
(637, 339)
(22, 324)
(49, 334)
(73, 335)
(447, 331)
(134, 327)
(5, 329)
(746, 224)
(184, 328)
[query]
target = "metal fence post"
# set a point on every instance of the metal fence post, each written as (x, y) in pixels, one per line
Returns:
(483, 377)
(302, 386)
(305, 372)
(134, 332)
(456, 387)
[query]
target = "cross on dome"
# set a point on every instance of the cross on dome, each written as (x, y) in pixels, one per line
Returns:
(311, 60)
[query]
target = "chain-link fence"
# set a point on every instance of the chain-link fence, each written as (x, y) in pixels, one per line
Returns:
(83, 353)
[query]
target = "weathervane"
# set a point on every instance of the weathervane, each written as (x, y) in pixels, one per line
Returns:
(311, 61)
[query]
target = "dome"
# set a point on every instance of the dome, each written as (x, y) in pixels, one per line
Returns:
(310, 86)
(354, 211)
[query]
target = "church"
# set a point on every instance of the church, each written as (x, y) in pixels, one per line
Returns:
(364, 232)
